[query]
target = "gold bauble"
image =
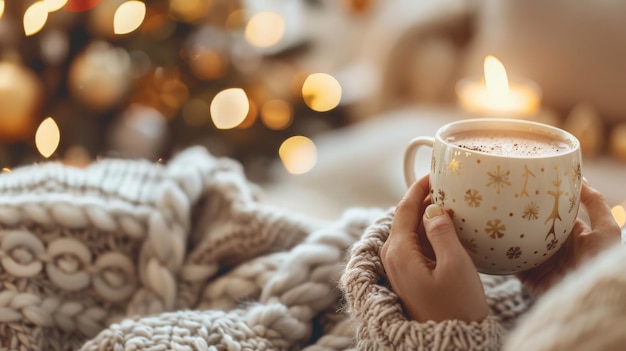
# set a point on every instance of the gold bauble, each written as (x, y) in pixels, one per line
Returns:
(100, 76)
(20, 99)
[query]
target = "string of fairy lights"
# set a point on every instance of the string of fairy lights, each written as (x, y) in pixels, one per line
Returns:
(229, 108)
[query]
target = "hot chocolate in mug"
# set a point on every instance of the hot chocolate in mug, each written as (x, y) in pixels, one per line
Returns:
(511, 186)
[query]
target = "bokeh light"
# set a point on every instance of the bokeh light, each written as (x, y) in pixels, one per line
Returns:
(251, 117)
(47, 137)
(619, 213)
(54, 5)
(35, 18)
(276, 114)
(265, 29)
(298, 154)
(321, 92)
(81, 5)
(190, 10)
(229, 108)
(208, 64)
(128, 17)
(1, 8)
(196, 112)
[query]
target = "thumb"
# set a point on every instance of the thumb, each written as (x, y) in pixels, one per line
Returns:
(442, 236)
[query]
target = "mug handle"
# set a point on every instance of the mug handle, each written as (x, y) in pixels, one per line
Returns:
(410, 154)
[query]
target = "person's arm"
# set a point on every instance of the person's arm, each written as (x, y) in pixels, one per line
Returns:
(432, 305)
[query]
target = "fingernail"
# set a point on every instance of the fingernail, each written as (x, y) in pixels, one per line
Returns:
(585, 180)
(433, 211)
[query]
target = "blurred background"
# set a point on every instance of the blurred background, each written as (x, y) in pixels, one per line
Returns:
(315, 98)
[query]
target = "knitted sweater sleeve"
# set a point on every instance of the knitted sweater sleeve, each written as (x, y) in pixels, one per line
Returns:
(378, 316)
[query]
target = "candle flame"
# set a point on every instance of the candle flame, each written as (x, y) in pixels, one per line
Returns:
(47, 137)
(496, 79)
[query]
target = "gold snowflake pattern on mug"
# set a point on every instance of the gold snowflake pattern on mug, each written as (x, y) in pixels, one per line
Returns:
(454, 166)
(513, 252)
(498, 179)
(473, 198)
(495, 228)
(531, 211)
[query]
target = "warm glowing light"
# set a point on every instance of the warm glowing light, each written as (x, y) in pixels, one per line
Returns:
(495, 94)
(208, 64)
(1, 8)
(35, 18)
(496, 79)
(47, 137)
(250, 117)
(298, 154)
(229, 108)
(54, 5)
(265, 29)
(276, 114)
(6, 170)
(321, 92)
(619, 213)
(190, 10)
(128, 17)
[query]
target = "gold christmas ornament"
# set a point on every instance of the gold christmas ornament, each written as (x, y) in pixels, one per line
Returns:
(585, 123)
(20, 98)
(617, 143)
(100, 76)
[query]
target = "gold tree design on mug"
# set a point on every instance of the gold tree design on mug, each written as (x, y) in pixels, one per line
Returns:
(498, 179)
(554, 215)
(527, 174)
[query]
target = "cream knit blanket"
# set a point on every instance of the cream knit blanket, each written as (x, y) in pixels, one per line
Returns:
(132, 255)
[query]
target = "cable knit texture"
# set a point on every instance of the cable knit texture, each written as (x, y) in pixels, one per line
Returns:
(132, 255)
(587, 311)
(381, 323)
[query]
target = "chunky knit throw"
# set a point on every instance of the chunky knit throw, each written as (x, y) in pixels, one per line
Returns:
(132, 255)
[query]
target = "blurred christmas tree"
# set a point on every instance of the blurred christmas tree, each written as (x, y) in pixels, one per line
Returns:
(145, 79)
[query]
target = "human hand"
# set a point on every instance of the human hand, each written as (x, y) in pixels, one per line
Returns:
(584, 242)
(428, 268)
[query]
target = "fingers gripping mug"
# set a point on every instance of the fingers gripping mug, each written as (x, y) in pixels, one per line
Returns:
(512, 188)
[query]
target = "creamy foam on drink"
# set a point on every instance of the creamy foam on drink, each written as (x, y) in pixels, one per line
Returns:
(509, 143)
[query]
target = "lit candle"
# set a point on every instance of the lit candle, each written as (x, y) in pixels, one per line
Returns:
(496, 95)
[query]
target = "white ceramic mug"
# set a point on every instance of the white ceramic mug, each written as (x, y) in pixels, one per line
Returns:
(511, 213)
